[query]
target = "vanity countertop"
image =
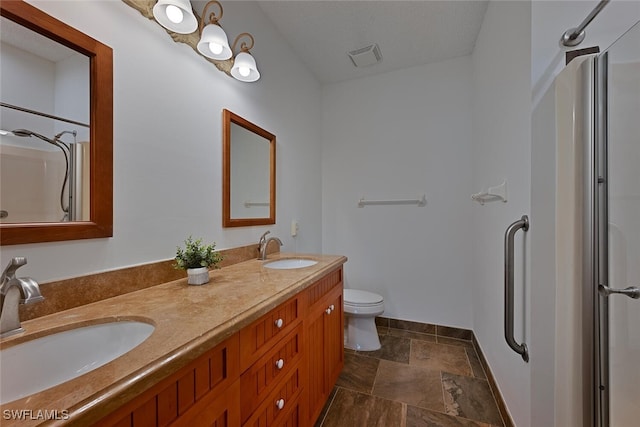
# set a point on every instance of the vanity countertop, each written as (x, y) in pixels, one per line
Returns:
(188, 321)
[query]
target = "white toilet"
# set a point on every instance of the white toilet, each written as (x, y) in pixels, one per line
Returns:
(360, 310)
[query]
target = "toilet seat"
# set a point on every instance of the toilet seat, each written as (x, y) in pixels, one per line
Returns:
(359, 298)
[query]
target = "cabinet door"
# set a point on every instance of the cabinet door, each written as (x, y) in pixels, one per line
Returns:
(333, 341)
(325, 349)
(316, 380)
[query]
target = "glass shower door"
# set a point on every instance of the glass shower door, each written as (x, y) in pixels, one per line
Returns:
(620, 311)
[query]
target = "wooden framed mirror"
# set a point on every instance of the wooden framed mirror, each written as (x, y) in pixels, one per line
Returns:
(98, 220)
(248, 173)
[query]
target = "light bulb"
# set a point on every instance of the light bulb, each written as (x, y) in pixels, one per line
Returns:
(216, 48)
(244, 71)
(174, 13)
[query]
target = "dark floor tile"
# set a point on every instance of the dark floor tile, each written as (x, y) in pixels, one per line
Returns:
(412, 335)
(418, 417)
(359, 373)
(382, 321)
(409, 384)
(476, 366)
(451, 332)
(393, 348)
(455, 341)
(425, 328)
(382, 330)
(447, 358)
(470, 398)
(354, 409)
(326, 407)
(492, 385)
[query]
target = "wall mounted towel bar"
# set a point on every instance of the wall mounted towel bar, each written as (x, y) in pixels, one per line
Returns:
(420, 201)
(250, 204)
(493, 194)
(521, 349)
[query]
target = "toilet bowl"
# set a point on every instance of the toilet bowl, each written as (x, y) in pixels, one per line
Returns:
(360, 310)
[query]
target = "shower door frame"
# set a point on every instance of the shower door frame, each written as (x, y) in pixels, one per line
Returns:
(600, 249)
(599, 193)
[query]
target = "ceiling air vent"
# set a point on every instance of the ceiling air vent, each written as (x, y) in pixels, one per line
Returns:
(366, 56)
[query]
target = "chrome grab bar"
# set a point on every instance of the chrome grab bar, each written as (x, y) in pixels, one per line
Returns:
(521, 349)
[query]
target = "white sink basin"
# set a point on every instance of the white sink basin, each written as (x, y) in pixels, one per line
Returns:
(50, 360)
(290, 263)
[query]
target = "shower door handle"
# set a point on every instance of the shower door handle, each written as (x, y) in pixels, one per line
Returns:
(521, 349)
(631, 291)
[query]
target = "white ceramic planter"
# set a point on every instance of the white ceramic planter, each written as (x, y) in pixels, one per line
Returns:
(197, 276)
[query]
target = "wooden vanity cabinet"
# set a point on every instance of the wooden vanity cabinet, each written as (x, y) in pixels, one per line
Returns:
(277, 371)
(271, 362)
(208, 388)
(325, 338)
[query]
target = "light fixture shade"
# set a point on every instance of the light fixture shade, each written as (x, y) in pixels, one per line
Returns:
(245, 68)
(213, 33)
(187, 25)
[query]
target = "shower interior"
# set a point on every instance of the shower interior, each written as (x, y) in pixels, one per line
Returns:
(24, 167)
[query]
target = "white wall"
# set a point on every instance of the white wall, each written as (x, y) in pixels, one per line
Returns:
(395, 136)
(501, 151)
(28, 81)
(168, 105)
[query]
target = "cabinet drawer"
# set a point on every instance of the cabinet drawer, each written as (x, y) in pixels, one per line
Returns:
(323, 286)
(282, 407)
(257, 381)
(256, 338)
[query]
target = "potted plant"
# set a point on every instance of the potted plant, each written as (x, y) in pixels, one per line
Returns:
(196, 258)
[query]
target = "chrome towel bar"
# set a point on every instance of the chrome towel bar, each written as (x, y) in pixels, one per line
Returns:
(521, 349)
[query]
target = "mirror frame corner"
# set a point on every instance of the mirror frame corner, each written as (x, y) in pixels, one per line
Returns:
(228, 118)
(100, 56)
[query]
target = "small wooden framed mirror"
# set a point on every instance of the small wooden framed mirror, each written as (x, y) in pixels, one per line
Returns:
(249, 173)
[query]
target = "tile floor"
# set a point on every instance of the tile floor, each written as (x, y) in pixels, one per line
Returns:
(417, 379)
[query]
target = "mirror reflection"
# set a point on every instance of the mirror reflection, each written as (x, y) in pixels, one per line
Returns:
(54, 119)
(44, 136)
(249, 173)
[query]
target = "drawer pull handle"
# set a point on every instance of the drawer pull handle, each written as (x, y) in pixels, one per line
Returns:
(280, 403)
(279, 323)
(332, 307)
(328, 310)
(280, 363)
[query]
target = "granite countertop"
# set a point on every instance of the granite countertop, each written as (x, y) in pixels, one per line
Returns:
(188, 321)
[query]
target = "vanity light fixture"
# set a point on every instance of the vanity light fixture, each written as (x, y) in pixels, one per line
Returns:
(176, 16)
(244, 66)
(213, 42)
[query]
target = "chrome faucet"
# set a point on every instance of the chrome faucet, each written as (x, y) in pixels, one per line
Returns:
(13, 291)
(264, 242)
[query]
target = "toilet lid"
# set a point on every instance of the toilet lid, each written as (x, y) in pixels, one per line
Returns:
(358, 297)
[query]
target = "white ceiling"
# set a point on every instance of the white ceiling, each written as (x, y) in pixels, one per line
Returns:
(409, 33)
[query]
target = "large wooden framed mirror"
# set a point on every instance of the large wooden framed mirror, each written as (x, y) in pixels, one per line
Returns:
(248, 173)
(25, 30)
